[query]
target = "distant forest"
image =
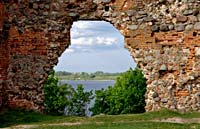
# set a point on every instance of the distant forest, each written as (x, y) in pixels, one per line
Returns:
(99, 75)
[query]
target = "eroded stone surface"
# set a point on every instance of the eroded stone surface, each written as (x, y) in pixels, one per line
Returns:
(162, 36)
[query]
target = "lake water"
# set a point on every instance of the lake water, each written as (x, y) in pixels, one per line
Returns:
(89, 85)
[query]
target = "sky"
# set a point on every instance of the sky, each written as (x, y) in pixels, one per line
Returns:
(95, 46)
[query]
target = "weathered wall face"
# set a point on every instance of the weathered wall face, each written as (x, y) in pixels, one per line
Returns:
(162, 36)
(3, 56)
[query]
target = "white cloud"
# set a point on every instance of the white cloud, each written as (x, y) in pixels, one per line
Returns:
(91, 24)
(75, 33)
(107, 40)
(81, 25)
(92, 28)
(89, 41)
(87, 36)
(69, 50)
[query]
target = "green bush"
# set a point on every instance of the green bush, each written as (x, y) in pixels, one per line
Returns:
(127, 95)
(60, 99)
(56, 97)
(80, 102)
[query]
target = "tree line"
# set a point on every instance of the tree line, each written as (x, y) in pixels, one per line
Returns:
(98, 75)
(126, 96)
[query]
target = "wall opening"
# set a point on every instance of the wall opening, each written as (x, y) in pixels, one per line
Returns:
(97, 47)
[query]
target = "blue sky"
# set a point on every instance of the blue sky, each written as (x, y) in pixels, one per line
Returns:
(95, 46)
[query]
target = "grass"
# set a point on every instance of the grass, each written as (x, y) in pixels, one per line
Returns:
(15, 117)
(134, 125)
(130, 121)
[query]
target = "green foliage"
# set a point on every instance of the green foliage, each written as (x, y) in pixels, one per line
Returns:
(80, 101)
(127, 95)
(56, 97)
(62, 73)
(101, 105)
(99, 75)
(64, 98)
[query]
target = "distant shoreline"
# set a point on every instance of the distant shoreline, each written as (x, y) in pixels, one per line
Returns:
(85, 80)
(99, 75)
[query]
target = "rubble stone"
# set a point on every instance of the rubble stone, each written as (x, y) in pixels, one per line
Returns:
(162, 37)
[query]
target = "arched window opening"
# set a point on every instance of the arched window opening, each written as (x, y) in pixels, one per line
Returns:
(95, 46)
(96, 53)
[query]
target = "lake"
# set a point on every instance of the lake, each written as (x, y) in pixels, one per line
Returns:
(89, 85)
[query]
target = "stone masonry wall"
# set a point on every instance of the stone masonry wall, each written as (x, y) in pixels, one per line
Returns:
(3, 55)
(163, 36)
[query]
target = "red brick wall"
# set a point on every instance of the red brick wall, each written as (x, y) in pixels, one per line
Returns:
(1, 14)
(28, 43)
(4, 59)
(167, 51)
(3, 48)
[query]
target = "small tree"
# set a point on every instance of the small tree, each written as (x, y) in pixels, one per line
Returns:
(127, 95)
(80, 101)
(101, 104)
(56, 97)
(64, 98)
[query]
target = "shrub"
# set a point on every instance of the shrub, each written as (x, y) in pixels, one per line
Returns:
(80, 102)
(56, 97)
(64, 99)
(127, 95)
